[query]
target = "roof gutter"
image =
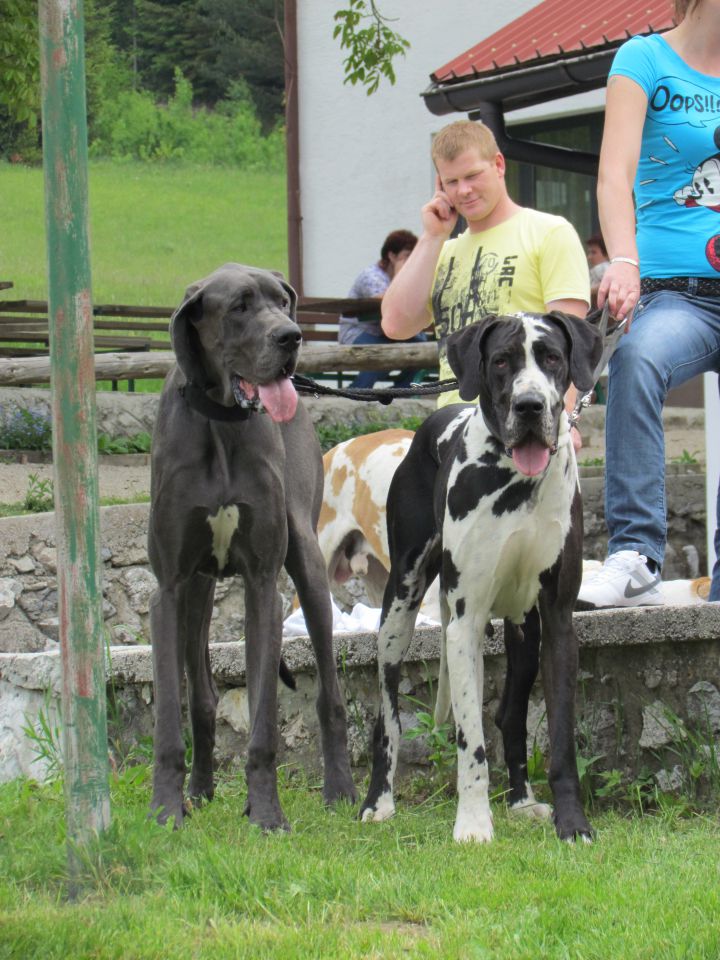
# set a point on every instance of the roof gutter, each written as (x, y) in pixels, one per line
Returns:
(524, 86)
(488, 98)
(530, 151)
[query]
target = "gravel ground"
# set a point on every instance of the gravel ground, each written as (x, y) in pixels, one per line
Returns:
(122, 480)
(124, 483)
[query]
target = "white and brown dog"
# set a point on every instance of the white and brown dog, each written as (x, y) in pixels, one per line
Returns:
(352, 529)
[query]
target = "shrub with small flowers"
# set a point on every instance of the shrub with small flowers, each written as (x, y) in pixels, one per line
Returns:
(25, 429)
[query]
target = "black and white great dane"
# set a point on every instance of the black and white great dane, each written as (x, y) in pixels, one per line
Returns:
(236, 489)
(488, 498)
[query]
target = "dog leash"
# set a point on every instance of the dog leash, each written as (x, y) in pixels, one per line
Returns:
(610, 341)
(309, 386)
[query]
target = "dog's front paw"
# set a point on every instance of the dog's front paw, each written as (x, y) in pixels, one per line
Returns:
(268, 816)
(334, 793)
(382, 809)
(572, 827)
(473, 826)
(200, 792)
(164, 813)
(339, 788)
(532, 809)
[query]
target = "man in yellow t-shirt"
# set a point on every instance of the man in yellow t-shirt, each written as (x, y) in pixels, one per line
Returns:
(510, 258)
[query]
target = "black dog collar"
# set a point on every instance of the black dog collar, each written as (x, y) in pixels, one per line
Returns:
(198, 400)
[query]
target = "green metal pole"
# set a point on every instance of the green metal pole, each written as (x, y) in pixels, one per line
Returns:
(77, 520)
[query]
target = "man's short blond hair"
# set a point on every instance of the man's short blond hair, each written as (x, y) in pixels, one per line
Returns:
(463, 135)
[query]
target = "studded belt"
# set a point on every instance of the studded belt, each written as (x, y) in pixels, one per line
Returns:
(695, 286)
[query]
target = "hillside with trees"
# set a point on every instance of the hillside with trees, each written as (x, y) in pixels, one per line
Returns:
(197, 80)
(203, 59)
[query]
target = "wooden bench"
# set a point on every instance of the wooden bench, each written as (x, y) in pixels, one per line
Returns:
(24, 328)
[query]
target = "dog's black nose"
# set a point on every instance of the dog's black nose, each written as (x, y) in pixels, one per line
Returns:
(288, 339)
(529, 405)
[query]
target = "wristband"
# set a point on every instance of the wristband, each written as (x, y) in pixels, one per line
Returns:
(629, 260)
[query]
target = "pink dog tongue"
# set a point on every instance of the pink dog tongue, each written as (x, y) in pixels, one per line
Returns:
(279, 399)
(531, 458)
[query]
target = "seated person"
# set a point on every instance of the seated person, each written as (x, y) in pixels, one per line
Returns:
(373, 281)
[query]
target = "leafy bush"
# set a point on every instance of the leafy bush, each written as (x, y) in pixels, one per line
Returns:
(330, 436)
(39, 497)
(131, 125)
(139, 443)
(25, 429)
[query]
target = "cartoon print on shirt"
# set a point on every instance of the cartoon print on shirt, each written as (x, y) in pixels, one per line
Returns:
(704, 188)
(704, 191)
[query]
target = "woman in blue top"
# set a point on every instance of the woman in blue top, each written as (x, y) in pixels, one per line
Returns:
(662, 139)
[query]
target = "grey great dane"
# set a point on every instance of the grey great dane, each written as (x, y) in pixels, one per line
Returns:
(236, 489)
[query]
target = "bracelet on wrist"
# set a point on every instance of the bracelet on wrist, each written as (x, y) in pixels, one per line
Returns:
(629, 260)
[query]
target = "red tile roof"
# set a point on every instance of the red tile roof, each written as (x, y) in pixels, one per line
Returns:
(558, 27)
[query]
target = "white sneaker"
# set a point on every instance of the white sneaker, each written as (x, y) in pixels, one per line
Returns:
(624, 580)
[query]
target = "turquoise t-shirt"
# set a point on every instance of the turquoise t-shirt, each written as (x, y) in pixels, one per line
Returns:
(677, 187)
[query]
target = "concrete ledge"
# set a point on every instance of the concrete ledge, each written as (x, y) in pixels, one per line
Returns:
(601, 628)
(637, 666)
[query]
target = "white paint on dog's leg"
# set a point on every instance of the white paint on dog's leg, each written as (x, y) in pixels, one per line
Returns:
(473, 822)
(383, 810)
(473, 826)
(531, 808)
(223, 526)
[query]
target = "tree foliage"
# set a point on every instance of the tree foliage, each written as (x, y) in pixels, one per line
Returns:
(19, 60)
(230, 52)
(371, 44)
(215, 43)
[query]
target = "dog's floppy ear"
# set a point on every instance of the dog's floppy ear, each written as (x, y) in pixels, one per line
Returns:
(585, 348)
(464, 353)
(289, 291)
(184, 337)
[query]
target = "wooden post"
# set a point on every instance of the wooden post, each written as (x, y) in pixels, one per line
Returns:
(77, 521)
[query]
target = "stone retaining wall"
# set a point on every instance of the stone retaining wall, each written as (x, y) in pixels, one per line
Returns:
(644, 675)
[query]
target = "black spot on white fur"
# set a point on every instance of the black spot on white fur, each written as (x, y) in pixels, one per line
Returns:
(513, 497)
(473, 483)
(450, 575)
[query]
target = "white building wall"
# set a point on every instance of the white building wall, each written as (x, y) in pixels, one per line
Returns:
(365, 161)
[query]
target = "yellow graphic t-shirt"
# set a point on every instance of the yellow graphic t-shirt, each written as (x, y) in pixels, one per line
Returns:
(518, 266)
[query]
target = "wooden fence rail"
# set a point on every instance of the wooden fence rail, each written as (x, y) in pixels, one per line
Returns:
(18, 371)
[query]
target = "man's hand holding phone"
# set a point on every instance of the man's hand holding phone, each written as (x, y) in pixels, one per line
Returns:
(439, 216)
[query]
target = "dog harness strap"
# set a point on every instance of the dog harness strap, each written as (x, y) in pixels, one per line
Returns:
(199, 401)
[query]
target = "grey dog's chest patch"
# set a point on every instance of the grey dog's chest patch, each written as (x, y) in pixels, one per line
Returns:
(223, 525)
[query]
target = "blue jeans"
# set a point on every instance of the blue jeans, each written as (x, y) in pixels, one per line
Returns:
(368, 378)
(673, 337)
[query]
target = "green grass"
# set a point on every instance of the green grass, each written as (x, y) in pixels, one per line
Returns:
(20, 509)
(153, 229)
(334, 888)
